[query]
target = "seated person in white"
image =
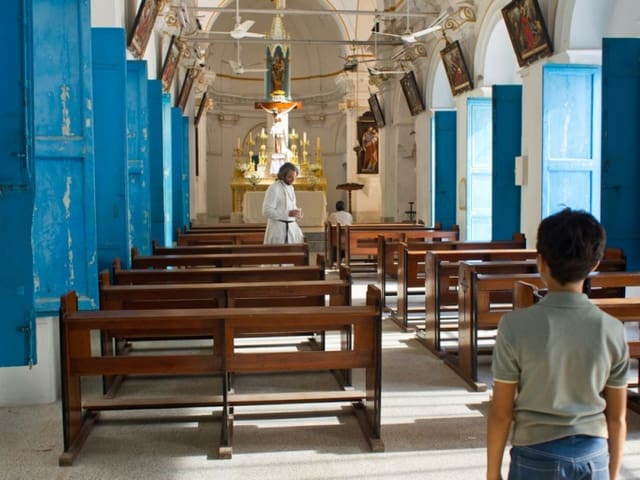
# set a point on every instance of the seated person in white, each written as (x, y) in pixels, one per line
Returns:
(340, 216)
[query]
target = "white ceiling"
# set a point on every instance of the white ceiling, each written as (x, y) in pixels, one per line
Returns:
(319, 41)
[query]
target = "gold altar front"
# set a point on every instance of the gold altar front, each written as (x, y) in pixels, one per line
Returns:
(240, 185)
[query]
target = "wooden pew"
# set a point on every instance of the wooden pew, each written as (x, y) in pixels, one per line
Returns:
(219, 259)
(334, 237)
(260, 293)
(212, 295)
(231, 248)
(226, 327)
(132, 276)
(224, 227)
(361, 245)
(441, 285)
(409, 256)
(220, 238)
(624, 309)
(483, 303)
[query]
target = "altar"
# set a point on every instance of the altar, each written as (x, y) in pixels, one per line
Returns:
(312, 203)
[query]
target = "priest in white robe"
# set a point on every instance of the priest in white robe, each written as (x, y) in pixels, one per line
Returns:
(281, 210)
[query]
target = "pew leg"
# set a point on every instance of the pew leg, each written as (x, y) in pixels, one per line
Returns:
(225, 451)
(75, 444)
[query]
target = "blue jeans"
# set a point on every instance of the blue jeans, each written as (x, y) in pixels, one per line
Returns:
(579, 457)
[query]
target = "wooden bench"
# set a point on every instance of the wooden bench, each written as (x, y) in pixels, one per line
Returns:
(224, 227)
(334, 237)
(624, 309)
(231, 248)
(217, 295)
(226, 327)
(441, 284)
(485, 297)
(361, 245)
(408, 258)
(219, 259)
(133, 276)
(217, 238)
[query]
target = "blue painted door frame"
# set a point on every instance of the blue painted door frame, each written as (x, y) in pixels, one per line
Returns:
(110, 120)
(64, 221)
(17, 189)
(621, 145)
(444, 158)
(506, 102)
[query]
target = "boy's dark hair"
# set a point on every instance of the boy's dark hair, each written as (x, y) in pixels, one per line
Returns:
(286, 167)
(572, 242)
(339, 205)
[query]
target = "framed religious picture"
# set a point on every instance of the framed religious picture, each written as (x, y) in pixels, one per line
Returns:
(170, 64)
(456, 68)
(527, 31)
(412, 93)
(374, 106)
(185, 91)
(143, 26)
(367, 149)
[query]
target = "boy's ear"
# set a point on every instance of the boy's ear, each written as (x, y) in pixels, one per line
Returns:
(540, 263)
(595, 267)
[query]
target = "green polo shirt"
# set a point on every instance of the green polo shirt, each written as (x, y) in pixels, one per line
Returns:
(561, 352)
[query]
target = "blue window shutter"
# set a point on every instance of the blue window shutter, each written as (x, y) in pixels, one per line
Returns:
(17, 188)
(110, 120)
(620, 145)
(571, 138)
(138, 188)
(444, 142)
(507, 135)
(64, 222)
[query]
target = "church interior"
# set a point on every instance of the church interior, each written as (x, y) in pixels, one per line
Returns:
(129, 123)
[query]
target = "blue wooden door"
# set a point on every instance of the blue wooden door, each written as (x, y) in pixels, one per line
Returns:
(478, 169)
(177, 151)
(621, 145)
(506, 101)
(17, 190)
(571, 138)
(184, 172)
(64, 221)
(444, 159)
(110, 120)
(138, 193)
(155, 161)
(167, 167)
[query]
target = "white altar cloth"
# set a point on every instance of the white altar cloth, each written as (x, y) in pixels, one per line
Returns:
(313, 205)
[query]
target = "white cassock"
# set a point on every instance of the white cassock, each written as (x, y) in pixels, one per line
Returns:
(279, 199)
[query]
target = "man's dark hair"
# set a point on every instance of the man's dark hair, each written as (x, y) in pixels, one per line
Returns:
(572, 242)
(339, 205)
(284, 168)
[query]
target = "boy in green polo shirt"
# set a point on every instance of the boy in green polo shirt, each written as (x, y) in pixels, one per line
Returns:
(560, 368)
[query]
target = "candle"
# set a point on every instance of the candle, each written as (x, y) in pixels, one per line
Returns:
(238, 143)
(317, 142)
(304, 136)
(294, 132)
(262, 132)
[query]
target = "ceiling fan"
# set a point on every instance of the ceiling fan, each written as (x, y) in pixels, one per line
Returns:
(411, 37)
(241, 29)
(238, 68)
(382, 71)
